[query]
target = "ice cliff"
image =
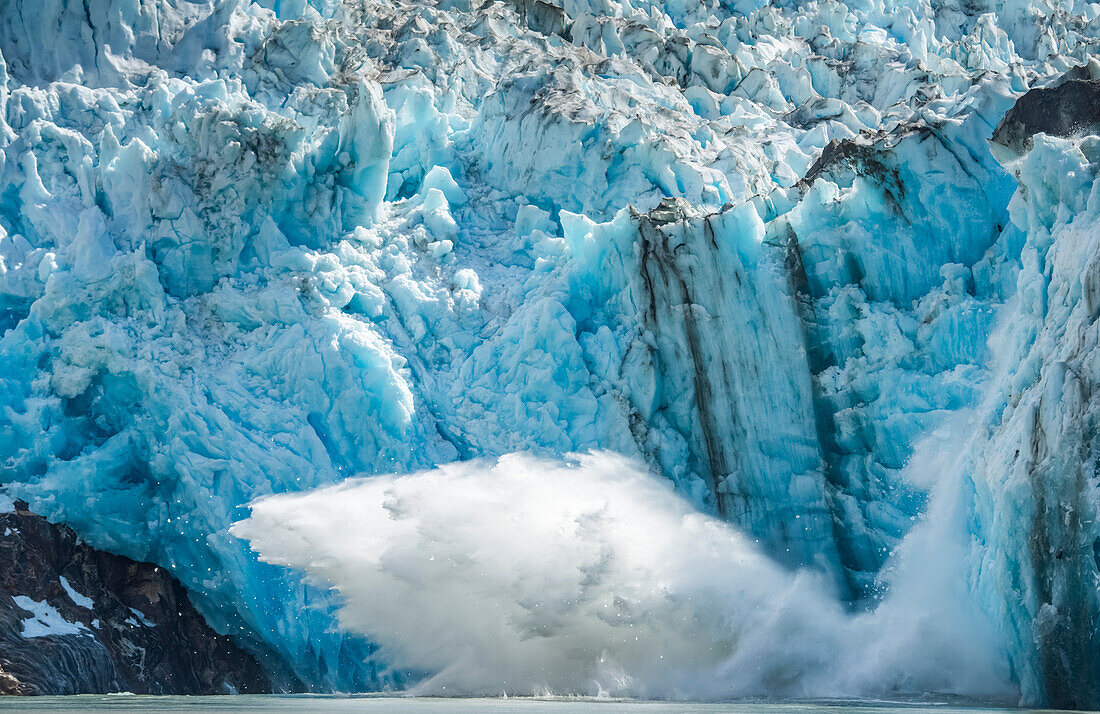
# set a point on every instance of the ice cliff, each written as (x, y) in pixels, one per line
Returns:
(251, 248)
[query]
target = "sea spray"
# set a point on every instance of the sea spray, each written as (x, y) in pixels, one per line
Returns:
(591, 576)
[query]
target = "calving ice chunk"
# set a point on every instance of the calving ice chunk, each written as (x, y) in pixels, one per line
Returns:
(251, 248)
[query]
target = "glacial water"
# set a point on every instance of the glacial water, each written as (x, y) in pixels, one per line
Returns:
(310, 704)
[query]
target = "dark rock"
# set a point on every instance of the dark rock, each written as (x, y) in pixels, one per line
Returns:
(112, 625)
(1071, 107)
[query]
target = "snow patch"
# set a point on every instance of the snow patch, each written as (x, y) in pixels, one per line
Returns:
(81, 600)
(45, 620)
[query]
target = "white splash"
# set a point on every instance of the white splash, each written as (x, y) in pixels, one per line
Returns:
(591, 576)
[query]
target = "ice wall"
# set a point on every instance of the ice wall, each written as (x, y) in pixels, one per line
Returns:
(1033, 460)
(258, 247)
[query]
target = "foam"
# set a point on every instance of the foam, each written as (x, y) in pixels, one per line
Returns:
(591, 576)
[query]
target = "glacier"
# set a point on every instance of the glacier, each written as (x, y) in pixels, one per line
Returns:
(770, 251)
(591, 576)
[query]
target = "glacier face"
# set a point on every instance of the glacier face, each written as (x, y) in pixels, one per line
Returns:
(258, 247)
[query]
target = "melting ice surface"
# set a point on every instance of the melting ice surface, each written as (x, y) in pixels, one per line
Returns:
(591, 576)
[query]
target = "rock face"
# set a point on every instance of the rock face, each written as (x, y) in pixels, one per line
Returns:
(1069, 107)
(75, 620)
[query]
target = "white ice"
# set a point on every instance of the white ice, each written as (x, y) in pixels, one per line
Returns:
(592, 576)
(45, 620)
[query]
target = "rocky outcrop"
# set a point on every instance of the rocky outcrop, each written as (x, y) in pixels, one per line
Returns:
(75, 620)
(1070, 106)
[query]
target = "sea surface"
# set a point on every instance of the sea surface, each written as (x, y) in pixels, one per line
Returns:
(318, 704)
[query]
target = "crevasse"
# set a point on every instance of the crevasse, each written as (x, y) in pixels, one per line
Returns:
(249, 248)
